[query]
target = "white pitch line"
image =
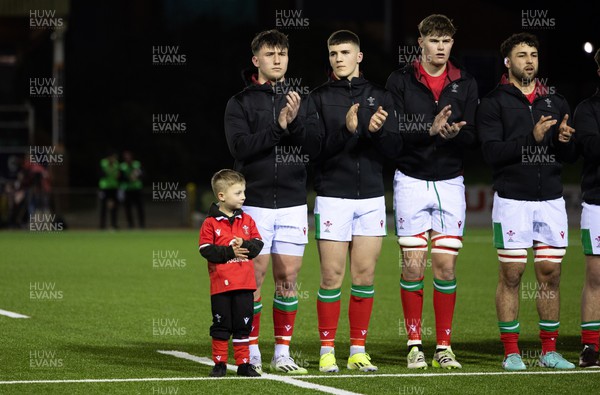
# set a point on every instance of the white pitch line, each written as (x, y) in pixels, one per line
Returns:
(12, 314)
(282, 379)
(345, 376)
(145, 379)
(141, 379)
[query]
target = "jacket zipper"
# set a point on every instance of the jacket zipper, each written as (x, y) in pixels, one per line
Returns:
(539, 173)
(275, 162)
(358, 159)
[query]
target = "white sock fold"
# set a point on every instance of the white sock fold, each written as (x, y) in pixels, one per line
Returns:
(282, 349)
(326, 349)
(254, 351)
(356, 350)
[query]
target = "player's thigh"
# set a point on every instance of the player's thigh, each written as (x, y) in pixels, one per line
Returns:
(285, 265)
(332, 256)
(443, 264)
(261, 264)
(592, 271)
(364, 252)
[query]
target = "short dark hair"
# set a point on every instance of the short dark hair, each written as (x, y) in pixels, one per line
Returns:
(343, 37)
(225, 178)
(270, 38)
(597, 57)
(436, 25)
(516, 39)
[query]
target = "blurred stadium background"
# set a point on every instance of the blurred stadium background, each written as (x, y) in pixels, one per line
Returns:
(80, 78)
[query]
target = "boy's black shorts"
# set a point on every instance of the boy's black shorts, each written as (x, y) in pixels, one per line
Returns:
(232, 314)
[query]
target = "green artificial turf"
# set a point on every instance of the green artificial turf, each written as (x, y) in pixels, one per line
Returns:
(102, 304)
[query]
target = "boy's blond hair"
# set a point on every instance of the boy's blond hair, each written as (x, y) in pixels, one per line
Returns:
(225, 178)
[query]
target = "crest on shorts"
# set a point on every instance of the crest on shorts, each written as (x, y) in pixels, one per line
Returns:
(598, 241)
(304, 230)
(459, 224)
(327, 225)
(381, 224)
(246, 230)
(401, 223)
(562, 234)
(510, 234)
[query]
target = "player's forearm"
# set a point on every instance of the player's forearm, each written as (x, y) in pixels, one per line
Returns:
(243, 146)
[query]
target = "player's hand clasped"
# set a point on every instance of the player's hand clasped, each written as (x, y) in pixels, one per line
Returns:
(290, 111)
(440, 125)
(376, 122)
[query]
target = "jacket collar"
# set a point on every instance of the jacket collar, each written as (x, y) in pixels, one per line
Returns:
(214, 212)
(452, 69)
(541, 90)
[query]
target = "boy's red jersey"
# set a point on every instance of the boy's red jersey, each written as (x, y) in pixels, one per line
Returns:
(235, 273)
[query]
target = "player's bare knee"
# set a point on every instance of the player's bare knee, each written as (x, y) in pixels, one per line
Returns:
(365, 277)
(445, 273)
(331, 282)
(285, 277)
(512, 266)
(259, 274)
(332, 278)
(593, 283)
(412, 272)
(511, 281)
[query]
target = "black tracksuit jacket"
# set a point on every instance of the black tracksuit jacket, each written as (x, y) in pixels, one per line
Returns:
(262, 149)
(522, 168)
(587, 137)
(349, 165)
(426, 157)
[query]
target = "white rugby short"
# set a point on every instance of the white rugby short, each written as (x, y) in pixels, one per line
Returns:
(421, 205)
(518, 223)
(339, 219)
(283, 230)
(590, 229)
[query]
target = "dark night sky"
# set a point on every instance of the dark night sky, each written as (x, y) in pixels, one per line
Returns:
(112, 87)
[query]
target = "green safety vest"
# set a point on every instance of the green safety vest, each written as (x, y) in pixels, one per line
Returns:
(110, 175)
(131, 176)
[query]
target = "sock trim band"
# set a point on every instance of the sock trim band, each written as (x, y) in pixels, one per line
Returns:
(362, 291)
